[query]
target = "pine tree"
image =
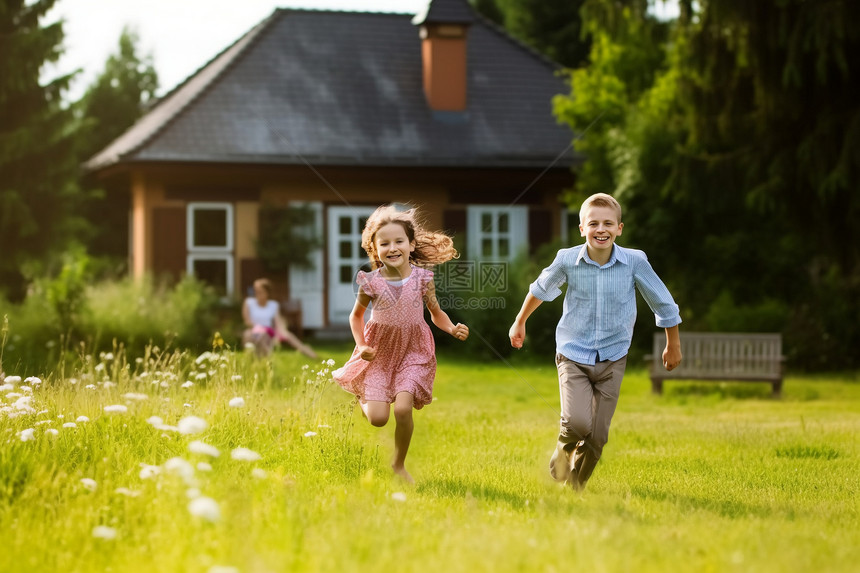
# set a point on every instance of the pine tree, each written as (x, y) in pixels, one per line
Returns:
(37, 162)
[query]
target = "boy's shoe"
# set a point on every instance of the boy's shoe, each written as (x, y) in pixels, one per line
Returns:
(559, 463)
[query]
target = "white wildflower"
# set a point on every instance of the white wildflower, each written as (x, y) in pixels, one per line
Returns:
(187, 384)
(198, 447)
(89, 484)
(32, 380)
(70, 425)
(205, 508)
(398, 496)
(244, 455)
(100, 367)
(73, 381)
(6, 387)
(237, 402)
(116, 409)
(154, 421)
(259, 473)
(82, 419)
(236, 377)
(108, 384)
(310, 434)
(192, 492)
(204, 467)
(222, 568)
(26, 389)
(27, 435)
(52, 432)
(149, 471)
(180, 467)
(192, 425)
(126, 492)
(12, 395)
(200, 376)
(135, 396)
(104, 532)
(330, 362)
(12, 379)
(90, 386)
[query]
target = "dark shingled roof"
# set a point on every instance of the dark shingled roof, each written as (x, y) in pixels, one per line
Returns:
(445, 12)
(345, 88)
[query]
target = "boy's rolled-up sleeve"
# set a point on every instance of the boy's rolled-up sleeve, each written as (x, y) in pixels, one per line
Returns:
(548, 284)
(655, 293)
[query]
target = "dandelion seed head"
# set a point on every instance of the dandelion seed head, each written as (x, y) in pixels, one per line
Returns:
(198, 447)
(244, 455)
(205, 508)
(192, 425)
(104, 532)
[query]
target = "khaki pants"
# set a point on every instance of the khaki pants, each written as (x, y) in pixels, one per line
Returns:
(589, 395)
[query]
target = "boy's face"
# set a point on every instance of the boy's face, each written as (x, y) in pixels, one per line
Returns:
(600, 226)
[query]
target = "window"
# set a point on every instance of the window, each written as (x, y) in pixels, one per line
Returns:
(210, 245)
(496, 233)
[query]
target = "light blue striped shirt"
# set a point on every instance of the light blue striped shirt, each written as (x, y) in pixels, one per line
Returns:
(600, 303)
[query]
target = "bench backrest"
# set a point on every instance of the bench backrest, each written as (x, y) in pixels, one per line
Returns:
(718, 354)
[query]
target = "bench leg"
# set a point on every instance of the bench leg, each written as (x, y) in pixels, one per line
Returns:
(656, 386)
(777, 388)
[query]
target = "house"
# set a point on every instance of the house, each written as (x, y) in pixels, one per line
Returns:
(341, 112)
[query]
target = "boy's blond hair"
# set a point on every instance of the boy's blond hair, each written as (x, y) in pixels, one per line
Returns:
(600, 200)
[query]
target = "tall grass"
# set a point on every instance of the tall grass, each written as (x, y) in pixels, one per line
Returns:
(709, 477)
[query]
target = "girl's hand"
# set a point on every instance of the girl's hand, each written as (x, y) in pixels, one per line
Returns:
(367, 352)
(460, 331)
(517, 334)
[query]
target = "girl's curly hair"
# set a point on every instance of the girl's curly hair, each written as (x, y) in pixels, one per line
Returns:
(431, 247)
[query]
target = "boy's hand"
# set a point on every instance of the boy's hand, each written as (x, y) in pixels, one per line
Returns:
(367, 352)
(460, 332)
(517, 333)
(672, 356)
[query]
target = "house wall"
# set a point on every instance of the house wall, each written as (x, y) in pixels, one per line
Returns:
(161, 194)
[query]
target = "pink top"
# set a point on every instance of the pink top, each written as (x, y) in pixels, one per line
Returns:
(405, 351)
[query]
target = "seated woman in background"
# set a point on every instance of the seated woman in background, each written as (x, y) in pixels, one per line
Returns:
(265, 324)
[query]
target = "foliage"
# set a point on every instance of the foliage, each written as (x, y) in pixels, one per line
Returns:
(732, 144)
(67, 313)
(37, 163)
(552, 27)
(115, 101)
(286, 237)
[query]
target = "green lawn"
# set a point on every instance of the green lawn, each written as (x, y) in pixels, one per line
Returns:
(708, 477)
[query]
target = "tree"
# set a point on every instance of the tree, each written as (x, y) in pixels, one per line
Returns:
(115, 100)
(736, 151)
(37, 162)
(552, 27)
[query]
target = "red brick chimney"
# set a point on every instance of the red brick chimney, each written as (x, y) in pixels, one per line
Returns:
(443, 27)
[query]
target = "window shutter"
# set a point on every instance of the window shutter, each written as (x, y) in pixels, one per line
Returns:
(169, 238)
(540, 227)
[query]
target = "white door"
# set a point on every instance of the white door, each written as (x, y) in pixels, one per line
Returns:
(306, 283)
(345, 258)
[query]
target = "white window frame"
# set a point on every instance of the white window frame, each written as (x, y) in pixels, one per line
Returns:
(209, 253)
(517, 233)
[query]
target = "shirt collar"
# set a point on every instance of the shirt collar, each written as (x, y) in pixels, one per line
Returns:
(618, 256)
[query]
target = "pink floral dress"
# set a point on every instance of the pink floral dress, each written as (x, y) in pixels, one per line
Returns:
(405, 352)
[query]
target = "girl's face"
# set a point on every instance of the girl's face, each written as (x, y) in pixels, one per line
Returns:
(393, 247)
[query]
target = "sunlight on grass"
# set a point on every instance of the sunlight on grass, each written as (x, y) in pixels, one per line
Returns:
(173, 462)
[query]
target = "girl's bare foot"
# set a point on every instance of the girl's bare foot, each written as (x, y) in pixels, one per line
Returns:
(401, 472)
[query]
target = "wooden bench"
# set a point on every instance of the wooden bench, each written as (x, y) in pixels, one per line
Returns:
(721, 356)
